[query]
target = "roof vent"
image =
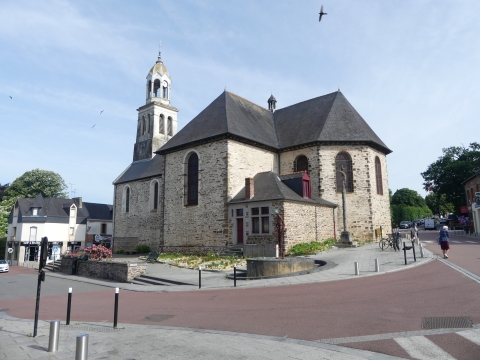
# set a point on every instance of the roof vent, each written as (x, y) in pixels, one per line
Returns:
(272, 103)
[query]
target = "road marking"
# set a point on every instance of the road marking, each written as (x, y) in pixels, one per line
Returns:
(472, 335)
(419, 347)
(427, 242)
(471, 242)
(461, 270)
(456, 242)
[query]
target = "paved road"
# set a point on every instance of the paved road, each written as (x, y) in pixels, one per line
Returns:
(376, 313)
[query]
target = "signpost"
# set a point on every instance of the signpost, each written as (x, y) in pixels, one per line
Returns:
(41, 277)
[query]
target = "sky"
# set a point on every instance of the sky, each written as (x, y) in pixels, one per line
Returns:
(410, 68)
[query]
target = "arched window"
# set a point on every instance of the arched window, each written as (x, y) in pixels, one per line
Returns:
(33, 234)
(192, 179)
(169, 127)
(149, 124)
(154, 195)
(143, 125)
(301, 163)
(161, 125)
(344, 160)
(149, 88)
(126, 199)
(156, 87)
(378, 176)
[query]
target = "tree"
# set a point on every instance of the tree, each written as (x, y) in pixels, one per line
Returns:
(2, 190)
(408, 205)
(439, 204)
(34, 182)
(29, 185)
(445, 176)
(407, 197)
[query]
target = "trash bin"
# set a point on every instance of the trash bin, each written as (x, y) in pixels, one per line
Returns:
(74, 266)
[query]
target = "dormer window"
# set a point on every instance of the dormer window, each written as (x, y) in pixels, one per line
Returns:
(35, 211)
(72, 211)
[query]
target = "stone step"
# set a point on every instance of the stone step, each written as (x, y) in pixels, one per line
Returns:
(140, 281)
(154, 280)
(52, 268)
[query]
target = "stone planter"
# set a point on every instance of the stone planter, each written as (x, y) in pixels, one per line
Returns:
(116, 271)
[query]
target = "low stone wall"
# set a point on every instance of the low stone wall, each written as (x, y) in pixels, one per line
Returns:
(116, 271)
(271, 267)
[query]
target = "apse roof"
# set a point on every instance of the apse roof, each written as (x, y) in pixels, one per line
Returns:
(325, 119)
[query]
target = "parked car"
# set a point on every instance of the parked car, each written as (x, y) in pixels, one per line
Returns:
(4, 266)
(442, 221)
(418, 221)
(405, 225)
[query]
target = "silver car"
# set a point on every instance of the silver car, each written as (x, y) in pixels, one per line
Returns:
(4, 266)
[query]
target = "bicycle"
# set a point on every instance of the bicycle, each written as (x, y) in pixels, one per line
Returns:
(392, 240)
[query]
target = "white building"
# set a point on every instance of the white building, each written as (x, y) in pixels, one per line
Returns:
(67, 223)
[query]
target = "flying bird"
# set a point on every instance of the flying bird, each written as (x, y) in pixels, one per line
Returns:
(321, 14)
(101, 112)
(93, 126)
(11, 97)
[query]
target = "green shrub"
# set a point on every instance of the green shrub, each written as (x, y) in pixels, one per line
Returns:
(121, 251)
(142, 249)
(311, 247)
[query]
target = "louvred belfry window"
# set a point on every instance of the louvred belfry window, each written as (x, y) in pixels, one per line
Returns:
(378, 176)
(192, 178)
(343, 159)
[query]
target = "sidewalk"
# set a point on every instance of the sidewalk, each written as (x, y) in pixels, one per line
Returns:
(340, 266)
(154, 342)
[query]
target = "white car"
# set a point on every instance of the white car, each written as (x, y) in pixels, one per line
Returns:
(4, 266)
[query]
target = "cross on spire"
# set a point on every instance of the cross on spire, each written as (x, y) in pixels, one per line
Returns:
(160, 51)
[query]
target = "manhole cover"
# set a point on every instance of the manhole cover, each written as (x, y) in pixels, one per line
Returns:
(447, 322)
(157, 317)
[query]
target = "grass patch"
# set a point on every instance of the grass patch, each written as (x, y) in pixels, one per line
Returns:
(311, 248)
(142, 249)
(211, 261)
(121, 251)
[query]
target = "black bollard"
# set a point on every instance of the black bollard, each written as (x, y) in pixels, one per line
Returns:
(235, 275)
(405, 252)
(69, 305)
(413, 248)
(199, 277)
(115, 316)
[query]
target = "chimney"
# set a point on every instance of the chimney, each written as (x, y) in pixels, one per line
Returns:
(249, 188)
(78, 202)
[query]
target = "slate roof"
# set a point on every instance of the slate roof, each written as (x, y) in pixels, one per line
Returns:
(228, 114)
(471, 177)
(325, 119)
(141, 169)
(99, 211)
(269, 187)
(58, 210)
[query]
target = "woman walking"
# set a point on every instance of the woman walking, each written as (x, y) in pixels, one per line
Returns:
(444, 241)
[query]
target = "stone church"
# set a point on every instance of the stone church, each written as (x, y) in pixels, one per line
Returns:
(237, 169)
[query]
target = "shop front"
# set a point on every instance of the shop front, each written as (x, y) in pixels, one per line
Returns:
(30, 250)
(74, 245)
(54, 250)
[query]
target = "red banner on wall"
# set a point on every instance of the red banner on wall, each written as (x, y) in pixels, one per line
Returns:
(464, 209)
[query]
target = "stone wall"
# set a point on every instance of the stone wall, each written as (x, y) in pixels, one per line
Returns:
(141, 225)
(306, 223)
(287, 165)
(366, 209)
(116, 271)
(205, 224)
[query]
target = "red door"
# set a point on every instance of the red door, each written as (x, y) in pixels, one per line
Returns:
(239, 231)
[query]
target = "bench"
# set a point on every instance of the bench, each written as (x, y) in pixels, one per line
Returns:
(153, 256)
(131, 252)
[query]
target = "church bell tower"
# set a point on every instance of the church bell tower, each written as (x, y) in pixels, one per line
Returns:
(157, 119)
